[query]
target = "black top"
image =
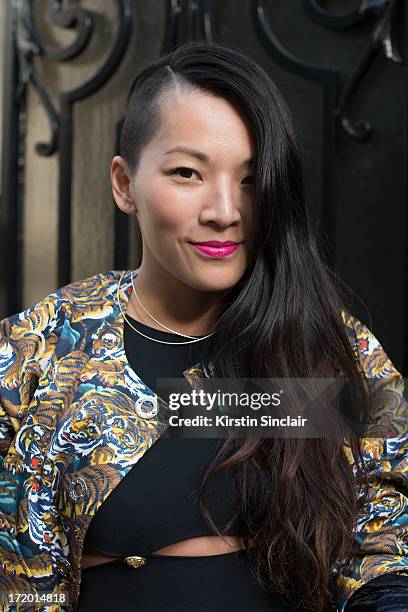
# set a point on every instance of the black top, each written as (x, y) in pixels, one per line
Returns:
(156, 503)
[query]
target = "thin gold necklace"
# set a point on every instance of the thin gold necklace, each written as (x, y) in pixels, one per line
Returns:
(144, 335)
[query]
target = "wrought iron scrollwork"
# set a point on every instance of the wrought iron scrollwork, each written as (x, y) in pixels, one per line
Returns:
(382, 39)
(334, 105)
(340, 21)
(74, 17)
(29, 45)
(24, 46)
(280, 53)
(187, 20)
(68, 99)
(328, 79)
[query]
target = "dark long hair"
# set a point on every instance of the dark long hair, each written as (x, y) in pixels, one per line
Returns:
(297, 498)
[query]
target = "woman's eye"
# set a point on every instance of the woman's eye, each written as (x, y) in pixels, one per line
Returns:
(182, 171)
(251, 180)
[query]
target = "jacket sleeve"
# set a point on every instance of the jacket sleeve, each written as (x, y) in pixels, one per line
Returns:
(27, 348)
(381, 533)
(27, 340)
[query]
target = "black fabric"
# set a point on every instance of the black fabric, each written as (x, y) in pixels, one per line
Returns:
(151, 360)
(387, 593)
(156, 503)
(217, 583)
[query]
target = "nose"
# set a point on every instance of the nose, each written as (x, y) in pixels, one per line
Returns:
(221, 206)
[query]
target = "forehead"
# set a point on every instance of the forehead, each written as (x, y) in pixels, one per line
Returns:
(200, 119)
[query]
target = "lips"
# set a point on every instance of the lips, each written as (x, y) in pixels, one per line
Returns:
(216, 243)
(216, 249)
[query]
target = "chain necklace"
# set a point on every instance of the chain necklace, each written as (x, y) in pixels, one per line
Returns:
(151, 316)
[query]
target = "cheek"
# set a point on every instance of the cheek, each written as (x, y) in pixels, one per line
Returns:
(165, 210)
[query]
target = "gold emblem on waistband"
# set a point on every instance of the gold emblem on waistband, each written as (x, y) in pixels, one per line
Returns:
(135, 561)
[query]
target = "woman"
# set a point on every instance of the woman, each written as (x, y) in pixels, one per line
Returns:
(103, 511)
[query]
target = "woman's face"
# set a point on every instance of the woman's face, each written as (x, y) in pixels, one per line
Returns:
(193, 184)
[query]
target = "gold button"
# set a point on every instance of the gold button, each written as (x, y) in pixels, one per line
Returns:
(135, 561)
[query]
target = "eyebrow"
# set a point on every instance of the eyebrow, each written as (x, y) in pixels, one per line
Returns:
(201, 156)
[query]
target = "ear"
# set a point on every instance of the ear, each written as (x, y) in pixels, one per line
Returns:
(121, 186)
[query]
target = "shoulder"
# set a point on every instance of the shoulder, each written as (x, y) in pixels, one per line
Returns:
(96, 287)
(91, 298)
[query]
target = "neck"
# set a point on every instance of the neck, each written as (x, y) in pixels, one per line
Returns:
(176, 305)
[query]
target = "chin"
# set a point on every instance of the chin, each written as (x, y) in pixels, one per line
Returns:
(220, 279)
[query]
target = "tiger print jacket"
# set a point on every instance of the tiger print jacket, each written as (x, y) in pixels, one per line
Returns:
(75, 418)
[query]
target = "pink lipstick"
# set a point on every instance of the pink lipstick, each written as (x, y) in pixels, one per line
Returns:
(214, 248)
